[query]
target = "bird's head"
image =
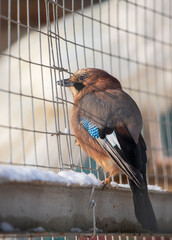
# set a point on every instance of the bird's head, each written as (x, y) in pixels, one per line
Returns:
(92, 79)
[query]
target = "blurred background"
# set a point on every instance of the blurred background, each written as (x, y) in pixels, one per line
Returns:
(44, 41)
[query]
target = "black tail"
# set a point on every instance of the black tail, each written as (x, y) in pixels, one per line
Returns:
(135, 155)
(142, 204)
(143, 208)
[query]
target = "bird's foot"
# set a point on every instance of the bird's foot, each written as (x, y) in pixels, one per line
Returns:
(77, 143)
(106, 182)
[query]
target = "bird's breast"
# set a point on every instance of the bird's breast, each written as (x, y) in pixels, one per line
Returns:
(89, 144)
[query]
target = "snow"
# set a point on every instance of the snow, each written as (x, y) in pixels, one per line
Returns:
(28, 174)
(66, 130)
(98, 230)
(127, 186)
(7, 227)
(156, 188)
(78, 230)
(114, 184)
(70, 177)
(37, 229)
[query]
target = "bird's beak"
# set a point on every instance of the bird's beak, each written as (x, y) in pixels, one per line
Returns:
(65, 83)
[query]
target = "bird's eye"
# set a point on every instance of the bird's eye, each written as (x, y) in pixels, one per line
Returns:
(82, 77)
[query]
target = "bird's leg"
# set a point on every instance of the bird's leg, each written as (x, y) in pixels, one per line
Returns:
(108, 180)
(77, 143)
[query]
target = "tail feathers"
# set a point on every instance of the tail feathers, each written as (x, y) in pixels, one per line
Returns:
(143, 208)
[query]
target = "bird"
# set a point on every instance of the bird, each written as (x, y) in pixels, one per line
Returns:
(107, 124)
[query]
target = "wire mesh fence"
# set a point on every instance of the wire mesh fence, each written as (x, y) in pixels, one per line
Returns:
(45, 236)
(45, 41)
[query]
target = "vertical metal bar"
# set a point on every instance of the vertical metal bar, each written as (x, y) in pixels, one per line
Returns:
(77, 64)
(101, 46)
(9, 81)
(137, 60)
(65, 35)
(128, 54)
(128, 47)
(101, 40)
(137, 53)
(109, 33)
(92, 34)
(83, 33)
(52, 88)
(170, 40)
(105, 238)
(66, 115)
(165, 173)
(119, 59)
(93, 47)
(20, 81)
(42, 78)
(81, 159)
(0, 25)
(97, 170)
(31, 86)
(90, 166)
(74, 34)
(55, 16)
(68, 138)
(156, 90)
(118, 38)
(112, 238)
(147, 84)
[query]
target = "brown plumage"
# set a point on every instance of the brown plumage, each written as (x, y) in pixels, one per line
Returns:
(107, 124)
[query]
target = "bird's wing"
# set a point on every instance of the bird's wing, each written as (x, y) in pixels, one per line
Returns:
(107, 119)
(113, 108)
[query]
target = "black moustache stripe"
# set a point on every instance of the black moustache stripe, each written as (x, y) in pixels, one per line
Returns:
(78, 86)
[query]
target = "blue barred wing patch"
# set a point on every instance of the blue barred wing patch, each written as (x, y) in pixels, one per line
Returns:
(90, 127)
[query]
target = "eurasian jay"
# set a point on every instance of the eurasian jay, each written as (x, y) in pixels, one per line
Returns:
(107, 124)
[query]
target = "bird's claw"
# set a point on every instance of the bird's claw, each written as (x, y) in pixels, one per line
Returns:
(106, 183)
(104, 186)
(77, 143)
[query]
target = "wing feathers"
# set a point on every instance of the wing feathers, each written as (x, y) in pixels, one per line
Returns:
(131, 172)
(114, 151)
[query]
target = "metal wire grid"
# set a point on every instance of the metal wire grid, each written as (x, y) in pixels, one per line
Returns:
(45, 236)
(81, 39)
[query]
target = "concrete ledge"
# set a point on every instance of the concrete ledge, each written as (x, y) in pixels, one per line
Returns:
(59, 208)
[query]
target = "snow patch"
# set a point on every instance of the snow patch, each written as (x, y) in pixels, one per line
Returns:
(66, 131)
(156, 188)
(29, 174)
(70, 177)
(127, 186)
(7, 227)
(114, 184)
(37, 229)
(76, 230)
(98, 230)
